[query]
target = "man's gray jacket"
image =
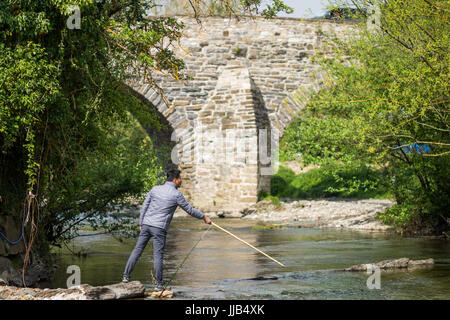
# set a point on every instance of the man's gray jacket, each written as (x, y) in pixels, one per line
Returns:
(160, 204)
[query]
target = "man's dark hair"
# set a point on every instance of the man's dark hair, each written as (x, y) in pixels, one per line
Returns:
(173, 174)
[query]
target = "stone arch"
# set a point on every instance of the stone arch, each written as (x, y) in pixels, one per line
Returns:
(161, 137)
(177, 128)
(247, 74)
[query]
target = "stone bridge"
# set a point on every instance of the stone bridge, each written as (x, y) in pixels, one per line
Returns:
(226, 121)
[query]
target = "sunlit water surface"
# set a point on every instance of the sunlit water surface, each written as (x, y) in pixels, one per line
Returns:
(221, 267)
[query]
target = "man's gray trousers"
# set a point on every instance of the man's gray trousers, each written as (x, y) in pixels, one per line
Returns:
(159, 241)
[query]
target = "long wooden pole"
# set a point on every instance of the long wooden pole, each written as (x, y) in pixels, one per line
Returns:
(226, 231)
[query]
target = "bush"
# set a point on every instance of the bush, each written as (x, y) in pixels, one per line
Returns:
(384, 101)
(264, 195)
(358, 182)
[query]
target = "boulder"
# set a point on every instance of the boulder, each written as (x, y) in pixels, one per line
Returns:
(35, 273)
(420, 262)
(397, 263)
(8, 273)
(391, 264)
(128, 290)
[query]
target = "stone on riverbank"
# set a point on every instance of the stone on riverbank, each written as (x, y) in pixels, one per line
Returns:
(36, 273)
(8, 274)
(391, 264)
(133, 289)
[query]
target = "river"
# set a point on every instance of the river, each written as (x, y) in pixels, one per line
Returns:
(221, 267)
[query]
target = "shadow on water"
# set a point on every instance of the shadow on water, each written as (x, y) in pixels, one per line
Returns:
(223, 268)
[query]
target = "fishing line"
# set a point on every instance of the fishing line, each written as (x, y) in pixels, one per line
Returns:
(184, 260)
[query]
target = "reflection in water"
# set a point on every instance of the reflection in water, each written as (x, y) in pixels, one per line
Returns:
(223, 268)
(216, 257)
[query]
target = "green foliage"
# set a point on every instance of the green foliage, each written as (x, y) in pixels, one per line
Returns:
(28, 84)
(66, 133)
(338, 139)
(329, 181)
(264, 195)
(65, 129)
(101, 182)
(273, 9)
(385, 91)
(399, 216)
(281, 180)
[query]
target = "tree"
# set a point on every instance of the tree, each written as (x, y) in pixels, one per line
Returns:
(69, 145)
(387, 104)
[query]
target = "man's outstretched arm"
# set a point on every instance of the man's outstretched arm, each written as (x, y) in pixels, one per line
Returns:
(181, 201)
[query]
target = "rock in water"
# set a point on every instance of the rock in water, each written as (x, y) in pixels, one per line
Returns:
(133, 289)
(420, 262)
(99, 293)
(8, 274)
(391, 264)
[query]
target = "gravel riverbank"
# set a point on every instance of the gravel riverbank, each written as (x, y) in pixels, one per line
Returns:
(357, 214)
(335, 213)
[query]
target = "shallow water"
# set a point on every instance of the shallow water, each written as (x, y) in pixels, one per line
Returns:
(221, 267)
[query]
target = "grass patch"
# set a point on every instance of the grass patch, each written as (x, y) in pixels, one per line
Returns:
(329, 182)
(264, 195)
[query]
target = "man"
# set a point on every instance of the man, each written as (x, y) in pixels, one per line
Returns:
(155, 216)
